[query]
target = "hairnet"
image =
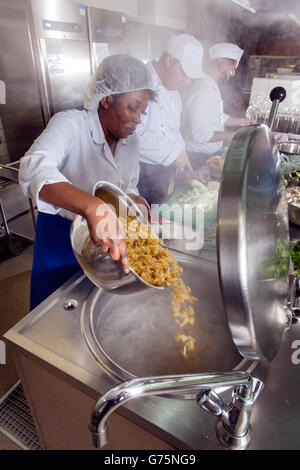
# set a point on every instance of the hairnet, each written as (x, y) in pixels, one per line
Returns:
(117, 74)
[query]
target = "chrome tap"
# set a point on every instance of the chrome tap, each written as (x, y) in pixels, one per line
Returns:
(234, 419)
(233, 426)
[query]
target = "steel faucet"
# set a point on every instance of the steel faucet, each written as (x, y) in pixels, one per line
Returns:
(233, 425)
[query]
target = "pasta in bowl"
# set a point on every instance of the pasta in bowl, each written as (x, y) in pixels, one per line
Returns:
(99, 267)
(147, 257)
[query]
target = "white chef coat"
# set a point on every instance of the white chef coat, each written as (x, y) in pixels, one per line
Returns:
(160, 139)
(203, 115)
(73, 149)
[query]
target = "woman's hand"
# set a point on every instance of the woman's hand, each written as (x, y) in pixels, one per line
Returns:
(106, 231)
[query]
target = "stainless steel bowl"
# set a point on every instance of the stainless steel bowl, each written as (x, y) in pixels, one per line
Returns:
(99, 267)
(294, 214)
(292, 148)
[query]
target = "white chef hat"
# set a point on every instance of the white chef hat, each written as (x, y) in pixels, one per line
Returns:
(225, 50)
(189, 51)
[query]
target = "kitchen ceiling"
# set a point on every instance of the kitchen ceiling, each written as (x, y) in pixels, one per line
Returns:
(276, 6)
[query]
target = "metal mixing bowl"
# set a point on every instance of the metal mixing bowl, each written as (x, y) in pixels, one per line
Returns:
(292, 148)
(294, 214)
(99, 267)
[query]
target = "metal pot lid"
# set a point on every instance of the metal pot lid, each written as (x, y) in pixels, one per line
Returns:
(253, 243)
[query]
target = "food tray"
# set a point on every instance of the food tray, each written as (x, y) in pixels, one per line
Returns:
(189, 218)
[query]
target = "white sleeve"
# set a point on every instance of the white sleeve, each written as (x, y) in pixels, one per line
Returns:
(160, 143)
(42, 162)
(134, 177)
(198, 116)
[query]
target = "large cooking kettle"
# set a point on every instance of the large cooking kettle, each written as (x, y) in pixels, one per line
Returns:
(253, 267)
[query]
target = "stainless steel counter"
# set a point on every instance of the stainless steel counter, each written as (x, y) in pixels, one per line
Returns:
(53, 336)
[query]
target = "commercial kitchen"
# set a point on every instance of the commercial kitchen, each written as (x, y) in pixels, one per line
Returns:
(98, 363)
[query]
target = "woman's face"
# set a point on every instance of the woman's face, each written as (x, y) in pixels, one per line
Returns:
(123, 112)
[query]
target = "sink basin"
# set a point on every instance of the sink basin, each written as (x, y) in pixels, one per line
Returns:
(133, 335)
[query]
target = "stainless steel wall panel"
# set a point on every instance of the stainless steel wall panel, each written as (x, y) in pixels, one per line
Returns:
(17, 133)
(24, 117)
(60, 19)
(105, 25)
(21, 117)
(67, 72)
(15, 147)
(144, 41)
(59, 34)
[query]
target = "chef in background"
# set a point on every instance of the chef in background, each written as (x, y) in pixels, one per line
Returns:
(162, 147)
(204, 122)
(75, 151)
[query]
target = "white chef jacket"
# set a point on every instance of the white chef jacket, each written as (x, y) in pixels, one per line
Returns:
(203, 115)
(73, 149)
(160, 139)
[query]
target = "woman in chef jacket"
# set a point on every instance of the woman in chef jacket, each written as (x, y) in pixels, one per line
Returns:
(204, 121)
(77, 149)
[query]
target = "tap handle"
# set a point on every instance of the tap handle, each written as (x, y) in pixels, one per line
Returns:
(211, 402)
(249, 394)
(257, 386)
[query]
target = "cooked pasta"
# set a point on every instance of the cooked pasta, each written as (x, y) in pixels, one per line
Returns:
(155, 265)
(188, 343)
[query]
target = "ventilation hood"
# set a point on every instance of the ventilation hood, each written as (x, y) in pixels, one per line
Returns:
(244, 4)
(169, 13)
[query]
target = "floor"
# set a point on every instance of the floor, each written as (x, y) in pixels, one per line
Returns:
(7, 444)
(14, 305)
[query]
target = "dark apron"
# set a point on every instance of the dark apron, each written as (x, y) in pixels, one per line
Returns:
(53, 259)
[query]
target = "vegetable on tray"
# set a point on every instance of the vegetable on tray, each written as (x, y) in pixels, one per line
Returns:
(295, 255)
(296, 174)
(278, 263)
